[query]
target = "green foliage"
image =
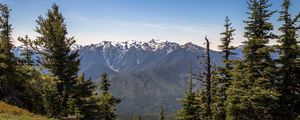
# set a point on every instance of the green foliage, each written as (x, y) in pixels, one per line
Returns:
(223, 77)
(288, 74)
(189, 103)
(252, 94)
(256, 87)
(58, 58)
(40, 94)
(107, 101)
(61, 94)
(201, 100)
(227, 38)
(34, 89)
(51, 98)
(27, 51)
(10, 83)
(58, 94)
(86, 99)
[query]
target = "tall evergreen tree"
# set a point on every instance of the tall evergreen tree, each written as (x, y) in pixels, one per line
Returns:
(57, 57)
(10, 85)
(223, 76)
(289, 65)
(252, 94)
(107, 101)
(190, 107)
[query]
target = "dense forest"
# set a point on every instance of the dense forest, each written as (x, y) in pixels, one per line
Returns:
(45, 79)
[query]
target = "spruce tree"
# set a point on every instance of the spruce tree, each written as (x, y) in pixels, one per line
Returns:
(57, 56)
(107, 101)
(10, 83)
(252, 94)
(288, 65)
(86, 99)
(222, 77)
(190, 107)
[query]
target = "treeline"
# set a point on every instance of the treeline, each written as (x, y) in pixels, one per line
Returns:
(44, 79)
(257, 87)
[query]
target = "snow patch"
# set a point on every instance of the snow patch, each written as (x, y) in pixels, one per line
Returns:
(112, 67)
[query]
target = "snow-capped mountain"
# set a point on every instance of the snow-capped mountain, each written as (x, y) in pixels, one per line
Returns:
(131, 55)
(145, 75)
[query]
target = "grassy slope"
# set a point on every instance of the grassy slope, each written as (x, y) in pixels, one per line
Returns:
(9, 112)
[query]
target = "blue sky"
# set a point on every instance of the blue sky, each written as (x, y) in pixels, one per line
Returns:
(182, 21)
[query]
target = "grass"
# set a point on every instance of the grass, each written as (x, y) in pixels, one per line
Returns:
(10, 112)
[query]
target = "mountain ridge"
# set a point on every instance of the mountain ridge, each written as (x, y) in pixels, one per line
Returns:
(145, 75)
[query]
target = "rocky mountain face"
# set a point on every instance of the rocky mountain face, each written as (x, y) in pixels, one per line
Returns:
(145, 75)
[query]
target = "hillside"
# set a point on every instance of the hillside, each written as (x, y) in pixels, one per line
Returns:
(9, 112)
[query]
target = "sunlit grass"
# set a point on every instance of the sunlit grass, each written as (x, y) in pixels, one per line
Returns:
(10, 112)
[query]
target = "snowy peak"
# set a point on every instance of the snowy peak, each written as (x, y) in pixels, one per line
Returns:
(123, 56)
(153, 45)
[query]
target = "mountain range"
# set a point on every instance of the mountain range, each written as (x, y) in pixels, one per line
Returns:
(145, 75)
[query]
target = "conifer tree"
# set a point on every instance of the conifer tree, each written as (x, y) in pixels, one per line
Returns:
(190, 107)
(33, 91)
(107, 101)
(41, 94)
(223, 77)
(57, 56)
(86, 99)
(10, 85)
(289, 65)
(33, 83)
(252, 94)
